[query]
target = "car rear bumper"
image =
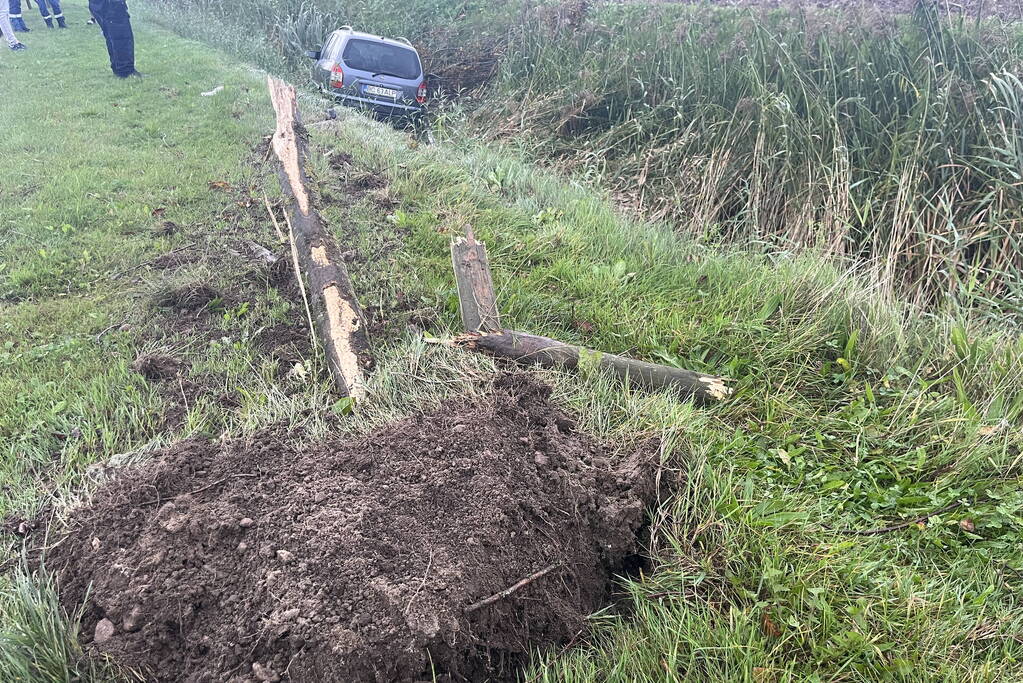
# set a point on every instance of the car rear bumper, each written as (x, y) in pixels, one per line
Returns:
(385, 108)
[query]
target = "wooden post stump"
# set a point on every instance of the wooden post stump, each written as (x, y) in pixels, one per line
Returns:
(478, 306)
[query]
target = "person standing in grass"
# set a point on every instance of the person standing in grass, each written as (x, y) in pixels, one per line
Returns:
(115, 22)
(8, 30)
(54, 12)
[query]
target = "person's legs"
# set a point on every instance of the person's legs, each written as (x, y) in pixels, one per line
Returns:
(117, 25)
(17, 22)
(58, 12)
(113, 18)
(96, 9)
(44, 12)
(5, 26)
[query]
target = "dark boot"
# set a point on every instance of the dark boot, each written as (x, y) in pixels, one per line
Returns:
(18, 24)
(49, 22)
(60, 21)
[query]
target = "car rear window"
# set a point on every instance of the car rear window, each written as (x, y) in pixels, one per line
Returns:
(381, 58)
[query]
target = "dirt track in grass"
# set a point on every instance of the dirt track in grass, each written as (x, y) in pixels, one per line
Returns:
(358, 560)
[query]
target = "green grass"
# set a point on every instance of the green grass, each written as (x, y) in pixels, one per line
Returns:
(852, 410)
(891, 140)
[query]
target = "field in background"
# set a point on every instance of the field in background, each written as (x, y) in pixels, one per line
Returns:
(853, 412)
(890, 139)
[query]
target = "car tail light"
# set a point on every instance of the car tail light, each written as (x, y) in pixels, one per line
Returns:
(337, 77)
(421, 93)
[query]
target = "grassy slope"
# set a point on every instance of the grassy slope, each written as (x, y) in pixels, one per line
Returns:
(849, 412)
(891, 138)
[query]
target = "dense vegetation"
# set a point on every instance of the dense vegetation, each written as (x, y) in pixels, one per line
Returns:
(892, 139)
(853, 514)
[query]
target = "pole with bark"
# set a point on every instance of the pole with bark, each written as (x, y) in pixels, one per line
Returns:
(478, 307)
(339, 318)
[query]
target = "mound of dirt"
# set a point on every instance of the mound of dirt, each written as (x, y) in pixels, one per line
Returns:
(376, 559)
(156, 367)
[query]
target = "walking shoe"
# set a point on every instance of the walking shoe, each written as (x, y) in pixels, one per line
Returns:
(133, 74)
(18, 24)
(18, 47)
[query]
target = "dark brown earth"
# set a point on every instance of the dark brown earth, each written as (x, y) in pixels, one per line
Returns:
(156, 367)
(255, 560)
(192, 297)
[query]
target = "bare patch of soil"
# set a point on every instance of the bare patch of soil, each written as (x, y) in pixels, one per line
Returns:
(289, 343)
(156, 367)
(188, 298)
(173, 260)
(165, 229)
(179, 390)
(359, 560)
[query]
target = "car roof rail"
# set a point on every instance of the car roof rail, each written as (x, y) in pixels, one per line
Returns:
(404, 40)
(346, 27)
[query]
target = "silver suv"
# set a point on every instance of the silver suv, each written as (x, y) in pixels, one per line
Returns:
(370, 72)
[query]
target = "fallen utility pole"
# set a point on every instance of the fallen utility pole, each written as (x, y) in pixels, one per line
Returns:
(339, 318)
(478, 306)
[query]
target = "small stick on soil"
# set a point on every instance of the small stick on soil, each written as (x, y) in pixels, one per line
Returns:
(511, 589)
(301, 282)
(273, 217)
(421, 584)
(181, 386)
(900, 525)
(204, 488)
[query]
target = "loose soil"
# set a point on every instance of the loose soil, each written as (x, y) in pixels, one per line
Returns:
(288, 343)
(156, 367)
(359, 559)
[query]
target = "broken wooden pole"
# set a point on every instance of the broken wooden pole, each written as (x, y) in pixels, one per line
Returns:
(549, 353)
(478, 306)
(339, 318)
(476, 299)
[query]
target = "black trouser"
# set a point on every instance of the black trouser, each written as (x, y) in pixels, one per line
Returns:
(112, 17)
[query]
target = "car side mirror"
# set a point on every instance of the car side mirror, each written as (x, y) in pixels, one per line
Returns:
(312, 54)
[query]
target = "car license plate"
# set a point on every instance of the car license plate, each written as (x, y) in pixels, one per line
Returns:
(381, 92)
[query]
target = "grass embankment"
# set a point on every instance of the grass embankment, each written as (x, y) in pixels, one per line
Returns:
(891, 139)
(852, 412)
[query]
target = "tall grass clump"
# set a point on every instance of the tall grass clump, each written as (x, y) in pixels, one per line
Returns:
(891, 138)
(39, 639)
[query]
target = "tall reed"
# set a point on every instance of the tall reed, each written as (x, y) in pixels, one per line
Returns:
(891, 139)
